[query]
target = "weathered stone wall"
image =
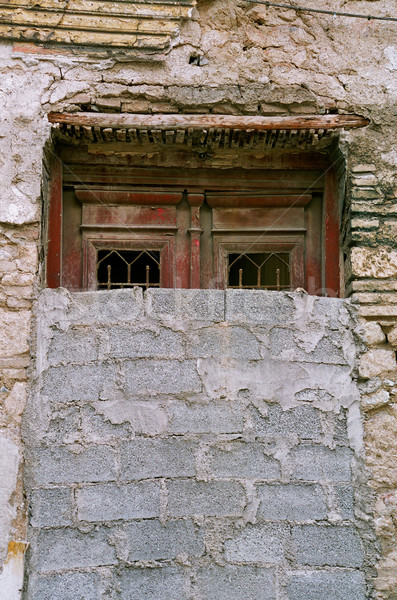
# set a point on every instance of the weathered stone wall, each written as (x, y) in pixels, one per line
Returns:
(197, 444)
(260, 60)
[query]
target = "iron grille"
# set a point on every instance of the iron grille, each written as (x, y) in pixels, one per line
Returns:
(128, 268)
(259, 270)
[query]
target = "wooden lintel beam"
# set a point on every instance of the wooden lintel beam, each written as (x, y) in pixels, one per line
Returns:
(175, 121)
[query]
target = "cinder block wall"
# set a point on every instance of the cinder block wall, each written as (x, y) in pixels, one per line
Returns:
(197, 445)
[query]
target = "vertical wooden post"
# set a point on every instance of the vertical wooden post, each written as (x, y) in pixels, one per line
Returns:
(331, 236)
(195, 201)
(54, 239)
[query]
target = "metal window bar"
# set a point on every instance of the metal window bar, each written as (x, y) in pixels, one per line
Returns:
(278, 286)
(128, 280)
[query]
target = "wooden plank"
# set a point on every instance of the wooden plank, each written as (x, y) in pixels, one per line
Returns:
(331, 236)
(228, 122)
(116, 196)
(236, 200)
(54, 240)
(258, 219)
(127, 216)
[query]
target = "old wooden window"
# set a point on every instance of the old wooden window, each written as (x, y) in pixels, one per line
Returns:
(113, 226)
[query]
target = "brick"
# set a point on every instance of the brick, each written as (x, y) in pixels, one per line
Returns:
(60, 465)
(144, 457)
(334, 546)
(145, 376)
(291, 502)
(152, 540)
(83, 382)
(257, 306)
(237, 583)
(242, 460)
(51, 508)
(67, 586)
(324, 585)
(73, 347)
(303, 421)
(110, 502)
(235, 342)
(166, 583)
(258, 544)
(125, 342)
(61, 549)
(214, 417)
(199, 305)
(317, 463)
(215, 498)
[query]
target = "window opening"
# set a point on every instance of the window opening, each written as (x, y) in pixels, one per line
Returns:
(259, 270)
(128, 268)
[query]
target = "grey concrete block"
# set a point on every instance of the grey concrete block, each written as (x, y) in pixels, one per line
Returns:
(305, 346)
(82, 382)
(51, 508)
(115, 306)
(318, 463)
(67, 586)
(291, 502)
(242, 460)
(126, 342)
(62, 549)
(321, 545)
(258, 306)
(227, 341)
(199, 305)
(145, 457)
(214, 417)
(73, 346)
(152, 540)
(345, 499)
(166, 583)
(327, 585)
(258, 544)
(111, 502)
(153, 376)
(215, 498)
(237, 583)
(302, 421)
(60, 465)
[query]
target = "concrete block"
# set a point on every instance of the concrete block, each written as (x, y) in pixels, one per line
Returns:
(83, 382)
(227, 341)
(214, 417)
(67, 586)
(258, 544)
(152, 540)
(215, 498)
(145, 457)
(345, 499)
(258, 306)
(156, 376)
(306, 346)
(62, 549)
(302, 421)
(125, 342)
(111, 502)
(327, 585)
(317, 463)
(241, 460)
(115, 306)
(237, 583)
(199, 305)
(51, 508)
(321, 545)
(166, 583)
(291, 502)
(60, 465)
(73, 346)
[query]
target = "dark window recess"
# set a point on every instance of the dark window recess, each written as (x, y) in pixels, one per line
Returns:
(128, 268)
(259, 270)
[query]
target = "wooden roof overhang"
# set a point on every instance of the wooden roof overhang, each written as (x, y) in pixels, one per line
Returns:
(204, 131)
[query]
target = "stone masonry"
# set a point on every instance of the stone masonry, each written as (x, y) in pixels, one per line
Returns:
(196, 445)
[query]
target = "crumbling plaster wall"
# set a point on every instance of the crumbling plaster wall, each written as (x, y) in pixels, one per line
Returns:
(259, 60)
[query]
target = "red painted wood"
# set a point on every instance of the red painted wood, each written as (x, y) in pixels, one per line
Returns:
(54, 240)
(195, 201)
(331, 236)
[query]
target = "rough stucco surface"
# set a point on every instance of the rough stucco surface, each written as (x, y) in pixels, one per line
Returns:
(196, 444)
(262, 61)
